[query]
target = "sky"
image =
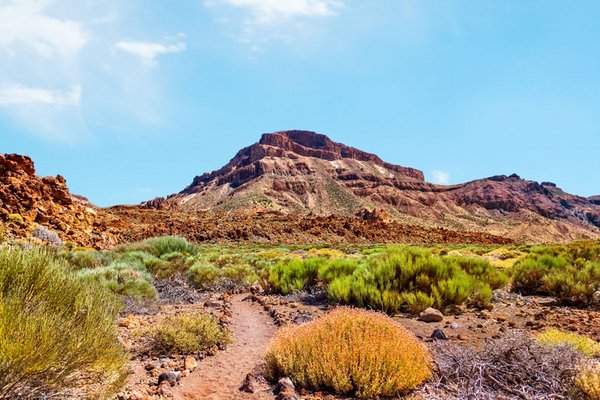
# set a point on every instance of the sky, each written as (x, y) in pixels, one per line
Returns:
(129, 100)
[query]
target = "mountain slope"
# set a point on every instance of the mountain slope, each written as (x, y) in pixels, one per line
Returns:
(302, 172)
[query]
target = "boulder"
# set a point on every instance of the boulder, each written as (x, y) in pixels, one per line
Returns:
(190, 363)
(431, 315)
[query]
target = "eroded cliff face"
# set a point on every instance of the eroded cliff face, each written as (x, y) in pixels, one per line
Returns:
(28, 201)
(306, 173)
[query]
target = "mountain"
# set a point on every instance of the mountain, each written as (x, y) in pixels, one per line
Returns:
(306, 173)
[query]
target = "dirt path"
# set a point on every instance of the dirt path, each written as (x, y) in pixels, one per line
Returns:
(220, 377)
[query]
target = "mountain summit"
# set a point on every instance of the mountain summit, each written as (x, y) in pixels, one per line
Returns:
(306, 173)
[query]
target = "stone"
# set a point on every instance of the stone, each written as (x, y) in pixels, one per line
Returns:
(286, 385)
(454, 325)
(190, 363)
(252, 383)
(431, 315)
(438, 334)
(171, 377)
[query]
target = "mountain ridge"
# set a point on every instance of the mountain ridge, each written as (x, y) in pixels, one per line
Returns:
(306, 173)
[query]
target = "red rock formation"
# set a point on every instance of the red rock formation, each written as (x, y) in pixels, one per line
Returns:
(27, 200)
(302, 172)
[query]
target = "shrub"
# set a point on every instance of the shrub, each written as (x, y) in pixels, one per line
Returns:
(588, 379)
(43, 233)
(571, 283)
(295, 275)
(239, 275)
(512, 367)
(187, 334)
(55, 330)
(82, 259)
(122, 279)
(583, 344)
(350, 351)
(414, 279)
(203, 275)
(16, 219)
(160, 246)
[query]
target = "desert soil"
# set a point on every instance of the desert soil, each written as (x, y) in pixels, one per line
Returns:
(221, 376)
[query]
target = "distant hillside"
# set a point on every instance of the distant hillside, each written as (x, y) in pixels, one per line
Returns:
(305, 173)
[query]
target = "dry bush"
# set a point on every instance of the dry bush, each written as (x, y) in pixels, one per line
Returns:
(588, 380)
(187, 334)
(350, 351)
(515, 367)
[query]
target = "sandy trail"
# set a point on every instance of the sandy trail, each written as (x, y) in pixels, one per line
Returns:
(220, 377)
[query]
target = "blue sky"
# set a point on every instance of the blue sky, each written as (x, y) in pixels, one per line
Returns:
(130, 100)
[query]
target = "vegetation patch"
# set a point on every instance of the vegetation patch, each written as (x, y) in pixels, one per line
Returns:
(187, 334)
(571, 273)
(556, 337)
(350, 351)
(56, 330)
(399, 278)
(514, 367)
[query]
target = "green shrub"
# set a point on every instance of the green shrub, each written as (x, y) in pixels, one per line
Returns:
(239, 275)
(55, 329)
(414, 279)
(187, 334)
(572, 282)
(122, 278)
(83, 259)
(16, 219)
(351, 352)
(160, 246)
(295, 275)
(204, 276)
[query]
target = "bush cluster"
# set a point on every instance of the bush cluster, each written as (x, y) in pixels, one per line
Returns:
(350, 351)
(571, 275)
(55, 329)
(401, 278)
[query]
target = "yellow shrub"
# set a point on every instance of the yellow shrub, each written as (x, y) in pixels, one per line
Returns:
(588, 380)
(188, 334)
(556, 337)
(350, 351)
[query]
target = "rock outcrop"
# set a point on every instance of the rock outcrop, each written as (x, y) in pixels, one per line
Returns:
(28, 201)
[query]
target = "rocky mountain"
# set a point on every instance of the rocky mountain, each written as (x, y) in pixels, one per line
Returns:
(306, 173)
(32, 206)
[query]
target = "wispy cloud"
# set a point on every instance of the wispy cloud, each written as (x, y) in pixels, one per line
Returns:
(265, 20)
(149, 51)
(273, 11)
(23, 25)
(12, 94)
(440, 177)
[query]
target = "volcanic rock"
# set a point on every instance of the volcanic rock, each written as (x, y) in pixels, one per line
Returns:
(306, 173)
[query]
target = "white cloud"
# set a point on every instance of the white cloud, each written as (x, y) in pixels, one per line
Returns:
(261, 22)
(149, 51)
(23, 24)
(15, 94)
(440, 177)
(273, 11)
